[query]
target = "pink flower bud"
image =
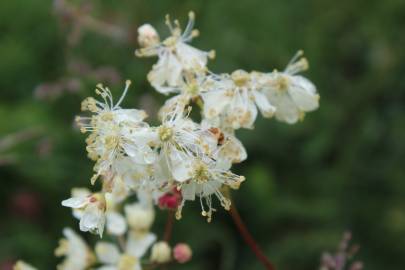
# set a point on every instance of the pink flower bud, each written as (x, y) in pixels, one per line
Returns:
(170, 200)
(182, 253)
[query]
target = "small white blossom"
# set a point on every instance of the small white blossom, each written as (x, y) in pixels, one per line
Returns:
(291, 94)
(230, 148)
(206, 179)
(189, 89)
(182, 140)
(93, 211)
(115, 132)
(77, 254)
(175, 55)
(232, 100)
(112, 258)
(79, 193)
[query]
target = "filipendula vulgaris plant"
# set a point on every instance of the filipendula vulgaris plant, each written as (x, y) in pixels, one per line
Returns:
(180, 160)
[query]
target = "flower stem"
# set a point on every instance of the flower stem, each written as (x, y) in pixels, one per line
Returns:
(169, 226)
(249, 239)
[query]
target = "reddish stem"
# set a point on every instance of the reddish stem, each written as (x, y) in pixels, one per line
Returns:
(249, 239)
(169, 226)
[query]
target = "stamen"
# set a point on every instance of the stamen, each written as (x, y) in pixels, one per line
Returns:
(127, 84)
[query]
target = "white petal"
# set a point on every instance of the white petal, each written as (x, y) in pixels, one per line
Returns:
(130, 115)
(139, 217)
(145, 135)
(138, 244)
(80, 192)
(116, 223)
(93, 220)
(190, 56)
(286, 110)
(180, 165)
(141, 153)
(263, 104)
(214, 102)
(188, 191)
(210, 188)
(107, 253)
(242, 111)
(303, 92)
(76, 251)
(174, 70)
(76, 202)
(165, 75)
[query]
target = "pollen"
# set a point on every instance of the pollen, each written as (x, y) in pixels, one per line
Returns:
(201, 173)
(240, 77)
(165, 133)
(282, 83)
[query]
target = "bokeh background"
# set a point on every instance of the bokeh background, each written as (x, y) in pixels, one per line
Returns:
(341, 169)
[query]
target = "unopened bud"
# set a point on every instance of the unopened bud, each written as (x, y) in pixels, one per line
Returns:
(161, 252)
(182, 253)
(147, 35)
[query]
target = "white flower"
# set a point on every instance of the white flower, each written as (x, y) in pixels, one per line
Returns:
(182, 140)
(139, 217)
(115, 132)
(207, 178)
(232, 100)
(93, 216)
(112, 259)
(291, 94)
(136, 176)
(161, 252)
(79, 193)
(115, 222)
(230, 148)
(20, 265)
(189, 88)
(77, 254)
(175, 55)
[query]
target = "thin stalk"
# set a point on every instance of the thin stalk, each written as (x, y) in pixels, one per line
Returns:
(169, 226)
(249, 239)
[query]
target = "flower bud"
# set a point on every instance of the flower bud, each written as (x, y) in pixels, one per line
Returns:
(139, 218)
(182, 253)
(147, 35)
(161, 252)
(170, 200)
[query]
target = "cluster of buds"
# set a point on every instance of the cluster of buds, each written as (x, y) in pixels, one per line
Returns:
(179, 160)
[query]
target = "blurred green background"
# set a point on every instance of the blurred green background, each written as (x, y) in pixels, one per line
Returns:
(341, 169)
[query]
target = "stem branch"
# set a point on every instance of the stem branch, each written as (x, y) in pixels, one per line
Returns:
(169, 226)
(249, 239)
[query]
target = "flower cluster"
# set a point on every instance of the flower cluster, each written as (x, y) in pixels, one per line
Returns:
(179, 160)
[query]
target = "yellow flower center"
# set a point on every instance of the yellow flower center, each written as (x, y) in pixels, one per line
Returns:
(165, 133)
(127, 262)
(201, 174)
(282, 83)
